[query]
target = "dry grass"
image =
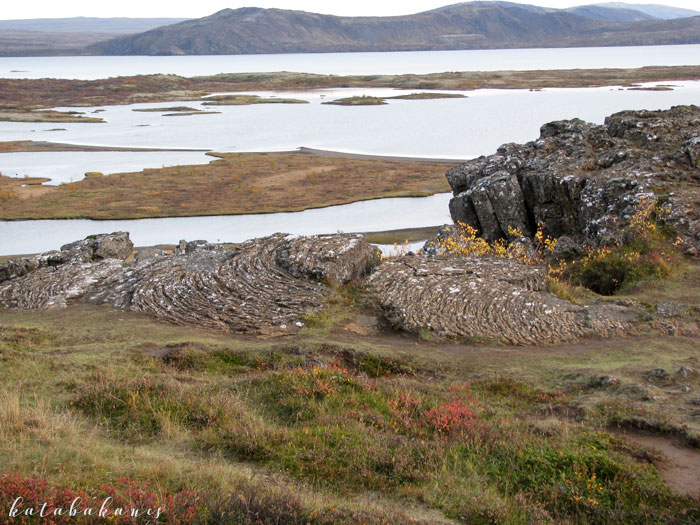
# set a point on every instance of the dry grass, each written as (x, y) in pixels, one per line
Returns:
(234, 184)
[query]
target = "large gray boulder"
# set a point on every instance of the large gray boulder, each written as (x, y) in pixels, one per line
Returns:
(93, 248)
(103, 246)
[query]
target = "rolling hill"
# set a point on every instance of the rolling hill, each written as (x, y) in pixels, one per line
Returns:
(475, 25)
(664, 12)
(66, 36)
(610, 14)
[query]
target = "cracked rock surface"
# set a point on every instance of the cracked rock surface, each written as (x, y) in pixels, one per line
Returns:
(584, 181)
(264, 283)
(485, 299)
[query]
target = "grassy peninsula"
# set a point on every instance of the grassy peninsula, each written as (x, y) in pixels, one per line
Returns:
(234, 183)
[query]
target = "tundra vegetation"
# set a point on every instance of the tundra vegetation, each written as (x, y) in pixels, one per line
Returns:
(46, 116)
(365, 100)
(347, 420)
(247, 100)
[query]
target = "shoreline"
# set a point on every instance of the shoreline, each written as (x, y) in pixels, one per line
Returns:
(391, 236)
(32, 146)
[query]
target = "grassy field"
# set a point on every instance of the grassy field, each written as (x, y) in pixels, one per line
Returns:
(23, 94)
(233, 184)
(342, 423)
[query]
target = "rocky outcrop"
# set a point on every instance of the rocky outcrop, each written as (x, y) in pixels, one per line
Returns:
(93, 248)
(98, 247)
(24, 265)
(485, 299)
(585, 181)
(262, 284)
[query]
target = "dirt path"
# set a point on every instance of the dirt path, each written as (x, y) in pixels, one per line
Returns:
(679, 466)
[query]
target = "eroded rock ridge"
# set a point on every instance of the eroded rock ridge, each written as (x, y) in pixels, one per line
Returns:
(261, 284)
(485, 298)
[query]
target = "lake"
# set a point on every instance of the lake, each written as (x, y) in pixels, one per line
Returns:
(71, 166)
(418, 62)
(457, 128)
(444, 128)
(447, 128)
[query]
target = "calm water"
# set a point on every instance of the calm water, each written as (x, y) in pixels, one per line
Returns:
(458, 128)
(419, 62)
(70, 166)
(447, 128)
(378, 215)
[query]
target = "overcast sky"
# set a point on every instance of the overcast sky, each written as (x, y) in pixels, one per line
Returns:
(161, 8)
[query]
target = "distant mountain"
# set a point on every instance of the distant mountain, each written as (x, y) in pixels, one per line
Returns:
(66, 36)
(594, 12)
(491, 3)
(120, 26)
(475, 25)
(610, 14)
(15, 42)
(663, 12)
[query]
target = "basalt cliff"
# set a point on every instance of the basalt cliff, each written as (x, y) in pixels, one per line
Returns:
(584, 181)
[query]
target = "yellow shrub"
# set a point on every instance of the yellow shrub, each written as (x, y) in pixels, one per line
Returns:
(466, 242)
